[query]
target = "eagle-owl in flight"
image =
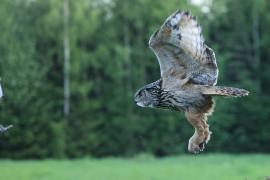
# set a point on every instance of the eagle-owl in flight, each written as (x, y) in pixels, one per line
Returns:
(189, 74)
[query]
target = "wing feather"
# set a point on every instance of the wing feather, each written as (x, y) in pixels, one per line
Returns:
(180, 49)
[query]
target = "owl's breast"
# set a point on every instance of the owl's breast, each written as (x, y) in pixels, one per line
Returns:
(182, 100)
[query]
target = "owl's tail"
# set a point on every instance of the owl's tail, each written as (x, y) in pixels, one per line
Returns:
(224, 91)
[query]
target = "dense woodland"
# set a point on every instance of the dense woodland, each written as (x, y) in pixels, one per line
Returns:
(109, 61)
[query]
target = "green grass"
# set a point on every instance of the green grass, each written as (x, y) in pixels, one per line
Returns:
(208, 167)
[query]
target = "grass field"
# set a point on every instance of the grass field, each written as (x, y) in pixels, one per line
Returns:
(187, 167)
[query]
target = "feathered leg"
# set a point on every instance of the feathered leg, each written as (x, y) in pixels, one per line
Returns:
(207, 132)
(202, 134)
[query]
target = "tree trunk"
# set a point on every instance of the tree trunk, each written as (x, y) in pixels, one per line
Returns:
(126, 33)
(256, 45)
(1, 92)
(66, 59)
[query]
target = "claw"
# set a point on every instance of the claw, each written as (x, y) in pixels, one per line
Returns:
(202, 145)
(196, 148)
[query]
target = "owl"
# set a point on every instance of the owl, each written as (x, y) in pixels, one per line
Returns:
(189, 75)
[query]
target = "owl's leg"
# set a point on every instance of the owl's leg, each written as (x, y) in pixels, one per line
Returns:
(201, 134)
(208, 110)
(207, 133)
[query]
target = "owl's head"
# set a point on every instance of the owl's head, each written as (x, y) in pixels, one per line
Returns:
(148, 95)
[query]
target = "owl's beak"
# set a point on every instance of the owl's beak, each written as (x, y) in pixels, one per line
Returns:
(140, 104)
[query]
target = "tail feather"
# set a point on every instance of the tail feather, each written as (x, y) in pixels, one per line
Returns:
(225, 91)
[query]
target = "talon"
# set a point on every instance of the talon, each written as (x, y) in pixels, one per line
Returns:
(202, 145)
(194, 148)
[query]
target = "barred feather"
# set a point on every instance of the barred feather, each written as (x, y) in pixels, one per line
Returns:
(225, 91)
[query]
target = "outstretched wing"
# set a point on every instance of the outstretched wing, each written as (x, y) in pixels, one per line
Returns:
(182, 53)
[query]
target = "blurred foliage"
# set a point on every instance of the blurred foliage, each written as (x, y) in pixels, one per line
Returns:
(110, 59)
